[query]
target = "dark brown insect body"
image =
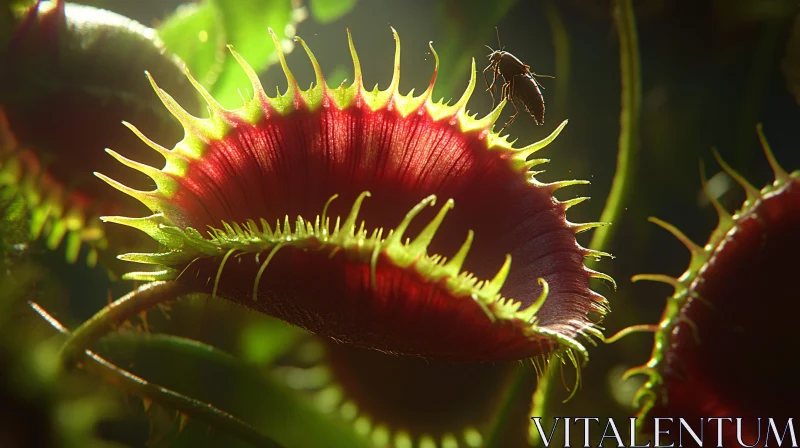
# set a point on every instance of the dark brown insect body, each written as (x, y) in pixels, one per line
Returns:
(519, 83)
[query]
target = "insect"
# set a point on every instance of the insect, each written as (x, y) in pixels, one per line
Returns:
(519, 83)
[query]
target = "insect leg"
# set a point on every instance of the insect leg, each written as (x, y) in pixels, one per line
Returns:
(513, 117)
(484, 76)
(496, 73)
(490, 88)
(504, 91)
(508, 88)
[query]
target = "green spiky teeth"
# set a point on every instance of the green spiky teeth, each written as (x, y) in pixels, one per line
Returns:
(56, 215)
(211, 236)
(766, 218)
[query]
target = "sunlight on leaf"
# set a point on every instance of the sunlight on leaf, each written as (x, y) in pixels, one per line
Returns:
(337, 76)
(326, 11)
(215, 376)
(196, 35)
(265, 340)
(246, 22)
(199, 33)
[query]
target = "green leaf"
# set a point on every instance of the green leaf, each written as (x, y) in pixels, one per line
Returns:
(338, 75)
(196, 34)
(326, 11)
(264, 340)
(199, 33)
(209, 375)
(247, 23)
(20, 4)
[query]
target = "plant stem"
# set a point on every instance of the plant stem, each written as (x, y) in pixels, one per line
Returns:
(93, 363)
(126, 307)
(541, 400)
(502, 427)
(561, 47)
(631, 99)
(258, 395)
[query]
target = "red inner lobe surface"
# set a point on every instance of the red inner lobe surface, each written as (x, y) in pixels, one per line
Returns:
(747, 327)
(332, 295)
(291, 165)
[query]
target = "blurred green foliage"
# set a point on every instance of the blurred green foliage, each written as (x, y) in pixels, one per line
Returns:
(325, 11)
(40, 405)
(197, 370)
(263, 341)
(197, 36)
(337, 76)
(199, 32)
